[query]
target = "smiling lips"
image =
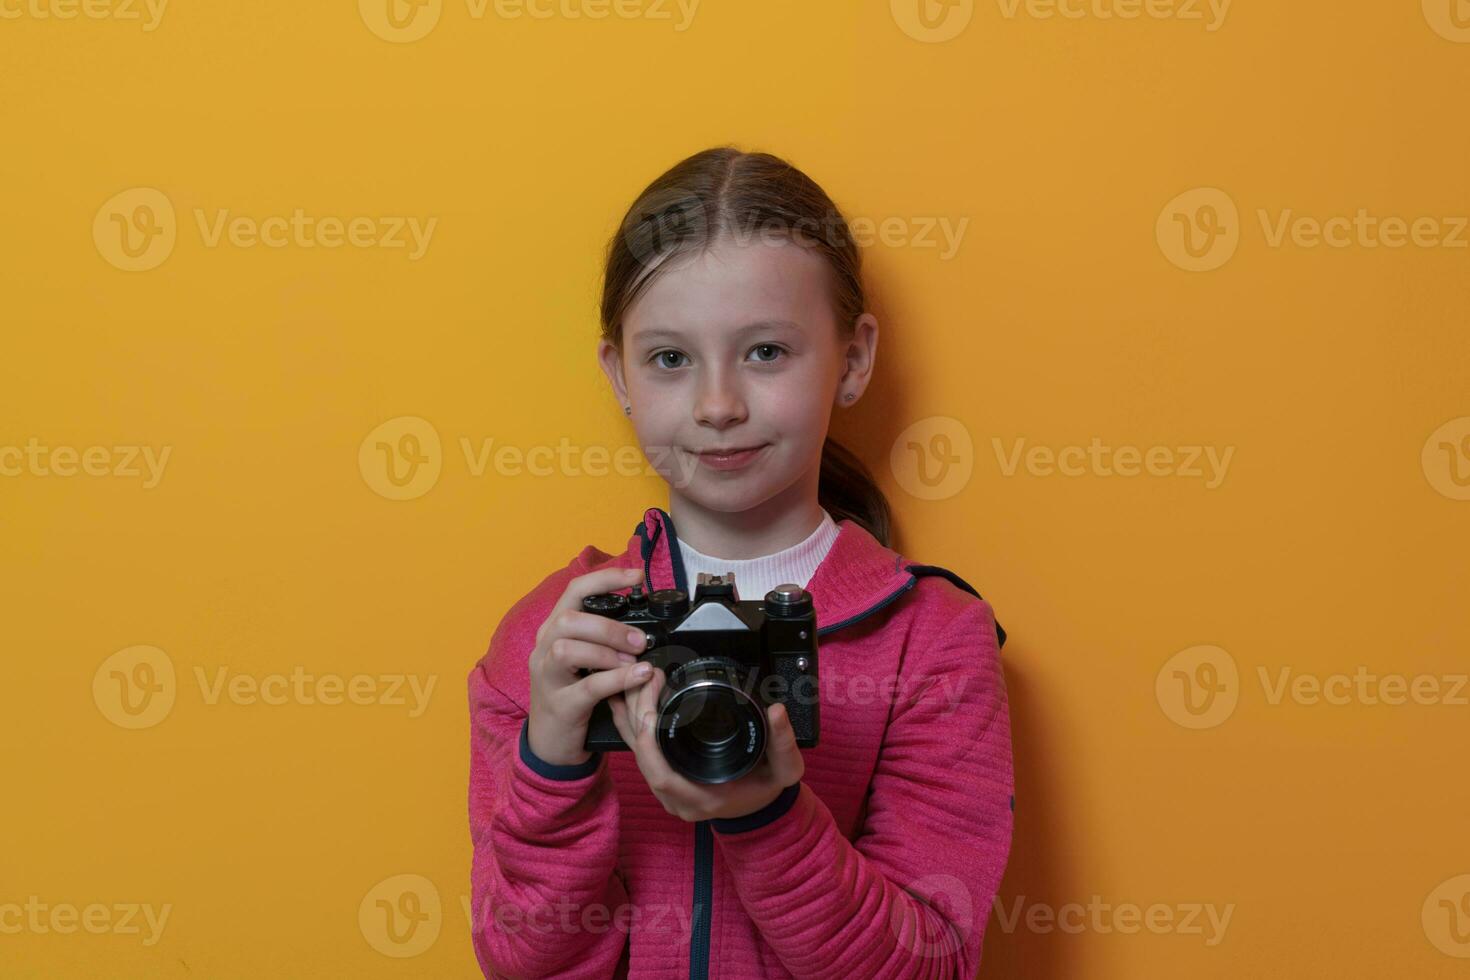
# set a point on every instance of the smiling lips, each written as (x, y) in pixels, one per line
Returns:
(730, 460)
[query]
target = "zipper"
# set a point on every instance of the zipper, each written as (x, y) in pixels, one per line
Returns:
(647, 557)
(704, 842)
(704, 881)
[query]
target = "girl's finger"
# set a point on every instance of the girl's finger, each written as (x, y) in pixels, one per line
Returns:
(656, 769)
(782, 752)
(567, 656)
(643, 704)
(602, 580)
(577, 625)
(602, 684)
(618, 705)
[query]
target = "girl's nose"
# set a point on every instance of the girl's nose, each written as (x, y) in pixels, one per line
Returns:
(719, 404)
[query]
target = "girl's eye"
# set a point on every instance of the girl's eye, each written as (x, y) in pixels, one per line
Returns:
(670, 358)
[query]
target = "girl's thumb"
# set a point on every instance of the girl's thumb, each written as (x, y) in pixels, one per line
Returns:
(786, 762)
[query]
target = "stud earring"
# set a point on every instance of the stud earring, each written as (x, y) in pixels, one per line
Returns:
(627, 409)
(849, 396)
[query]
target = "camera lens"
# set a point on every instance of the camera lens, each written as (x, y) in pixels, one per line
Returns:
(715, 725)
(710, 729)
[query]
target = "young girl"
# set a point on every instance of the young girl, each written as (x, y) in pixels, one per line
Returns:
(733, 323)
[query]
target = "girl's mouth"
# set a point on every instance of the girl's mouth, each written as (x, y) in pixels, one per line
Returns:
(732, 460)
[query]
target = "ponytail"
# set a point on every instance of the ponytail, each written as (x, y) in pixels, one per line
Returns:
(847, 490)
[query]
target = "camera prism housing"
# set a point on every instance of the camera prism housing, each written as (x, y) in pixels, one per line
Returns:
(725, 661)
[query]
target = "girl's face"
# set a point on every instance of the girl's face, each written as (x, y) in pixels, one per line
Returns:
(735, 348)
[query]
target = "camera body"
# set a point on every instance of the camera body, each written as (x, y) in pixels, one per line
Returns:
(725, 661)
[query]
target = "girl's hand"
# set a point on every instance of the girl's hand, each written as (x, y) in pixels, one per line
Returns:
(635, 712)
(561, 701)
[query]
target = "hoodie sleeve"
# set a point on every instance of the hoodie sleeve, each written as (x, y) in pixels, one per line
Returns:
(910, 896)
(543, 883)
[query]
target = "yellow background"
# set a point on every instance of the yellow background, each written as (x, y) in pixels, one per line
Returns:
(265, 547)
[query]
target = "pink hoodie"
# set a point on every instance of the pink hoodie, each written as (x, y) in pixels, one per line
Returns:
(882, 861)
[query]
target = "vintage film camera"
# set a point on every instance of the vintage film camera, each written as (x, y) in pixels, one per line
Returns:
(725, 662)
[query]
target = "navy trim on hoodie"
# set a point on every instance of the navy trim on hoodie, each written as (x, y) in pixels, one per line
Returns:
(551, 770)
(773, 810)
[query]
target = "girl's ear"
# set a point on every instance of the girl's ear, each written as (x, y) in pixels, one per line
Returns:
(611, 361)
(858, 359)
